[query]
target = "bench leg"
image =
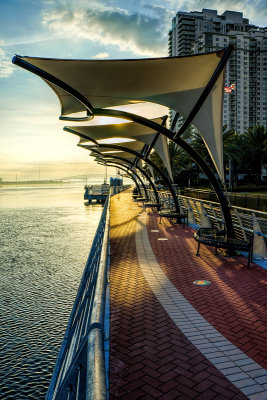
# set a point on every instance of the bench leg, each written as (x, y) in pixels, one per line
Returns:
(250, 252)
(198, 246)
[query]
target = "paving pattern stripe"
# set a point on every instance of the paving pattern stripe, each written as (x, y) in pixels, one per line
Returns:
(235, 303)
(185, 315)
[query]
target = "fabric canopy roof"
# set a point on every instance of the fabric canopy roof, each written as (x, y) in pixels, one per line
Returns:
(131, 130)
(136, 146)
(174, 82)
(108, 157)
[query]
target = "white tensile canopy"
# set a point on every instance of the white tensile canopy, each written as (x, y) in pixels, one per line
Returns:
(175, 82)
(130, 130)
(126, 157)
(108, 153)
(135, 146)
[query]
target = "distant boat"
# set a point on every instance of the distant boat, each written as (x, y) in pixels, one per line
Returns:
(96, 192)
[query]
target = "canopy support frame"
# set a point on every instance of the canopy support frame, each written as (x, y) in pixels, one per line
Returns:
(118, 165)
(148, 161)
(132, 166)
(144, 121)
(187, 148)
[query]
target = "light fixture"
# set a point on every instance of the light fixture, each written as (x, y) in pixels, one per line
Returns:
(202, 283)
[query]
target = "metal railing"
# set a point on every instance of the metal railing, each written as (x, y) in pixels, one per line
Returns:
(208, 213)
(117, 189)
(80, 371)
(245, 200)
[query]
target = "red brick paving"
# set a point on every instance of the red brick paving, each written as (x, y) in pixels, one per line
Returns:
(149, 357)
(235, 302)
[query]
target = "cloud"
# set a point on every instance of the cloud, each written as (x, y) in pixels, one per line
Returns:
(101, 55)
(140, 33)
(6, 67)
(254, 10)
(143, 32)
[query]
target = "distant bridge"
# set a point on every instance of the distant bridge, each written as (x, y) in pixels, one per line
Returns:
(80, 177)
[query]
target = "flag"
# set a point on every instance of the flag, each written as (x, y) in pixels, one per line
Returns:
(227, 89)
(233, 86)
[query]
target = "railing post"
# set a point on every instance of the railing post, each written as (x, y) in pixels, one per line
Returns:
(259, 246)
(240, 223)
(191, 217)
(205, 222)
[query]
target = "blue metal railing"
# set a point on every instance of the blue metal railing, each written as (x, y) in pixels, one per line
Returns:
(243, 218)
(80, 368)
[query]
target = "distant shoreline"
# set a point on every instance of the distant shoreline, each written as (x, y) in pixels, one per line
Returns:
(31, 183)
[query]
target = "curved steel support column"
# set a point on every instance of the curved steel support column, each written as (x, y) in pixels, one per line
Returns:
(139, 169)
(156, 168)
(145, 175)
(129, 162)
(143, 157)
(129, 151)
(120, 166)
(184, 145)
(149, 180)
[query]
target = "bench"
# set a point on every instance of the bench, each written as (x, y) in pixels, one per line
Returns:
(138, 198)
(142, 199)
(153, 206)
(217, 239)
(174, 216)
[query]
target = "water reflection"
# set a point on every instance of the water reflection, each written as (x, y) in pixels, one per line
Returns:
(45, 238)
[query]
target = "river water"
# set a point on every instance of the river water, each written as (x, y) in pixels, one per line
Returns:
(45, 237)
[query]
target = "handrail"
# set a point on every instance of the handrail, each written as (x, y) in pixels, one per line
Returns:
(96, 375)
(262, 213)
(79, 372)
(243, 218)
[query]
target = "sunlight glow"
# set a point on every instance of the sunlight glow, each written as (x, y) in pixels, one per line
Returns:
(112, 151)
(107, 141)
(115, 140)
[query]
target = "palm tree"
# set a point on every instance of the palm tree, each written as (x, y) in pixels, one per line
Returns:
(232, 151)
(199, 145)
(255, 149)
(231, 145)
(179, 159)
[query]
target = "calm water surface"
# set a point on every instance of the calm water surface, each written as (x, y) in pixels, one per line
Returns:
(45, 237)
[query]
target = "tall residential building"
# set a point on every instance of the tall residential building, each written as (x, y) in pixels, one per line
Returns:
(199, 32)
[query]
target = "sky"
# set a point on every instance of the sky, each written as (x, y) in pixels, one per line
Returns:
(31, 137)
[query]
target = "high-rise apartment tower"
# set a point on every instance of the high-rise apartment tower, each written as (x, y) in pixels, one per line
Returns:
(199, 32)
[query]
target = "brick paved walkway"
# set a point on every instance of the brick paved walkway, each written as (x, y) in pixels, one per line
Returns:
(169, 338)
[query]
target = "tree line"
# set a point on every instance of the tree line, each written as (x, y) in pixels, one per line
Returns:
(244, 154)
